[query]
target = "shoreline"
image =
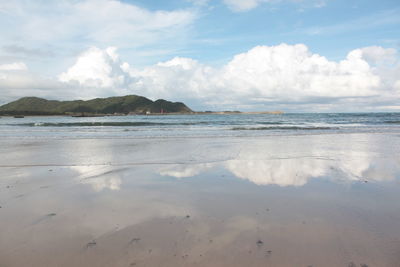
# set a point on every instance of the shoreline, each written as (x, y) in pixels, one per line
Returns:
(87, 115)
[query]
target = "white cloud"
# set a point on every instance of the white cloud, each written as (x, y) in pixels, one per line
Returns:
(13, 66)
(265, 74)
(246, 5)
(377, 55)
(19, 50)
(242, 5)
(68, 25)
(17, 81)
(288, 75)
(183, 77)
(397, 86)
(97, 68)
(292, 72)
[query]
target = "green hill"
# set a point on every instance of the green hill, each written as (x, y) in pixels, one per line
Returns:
(111, 105)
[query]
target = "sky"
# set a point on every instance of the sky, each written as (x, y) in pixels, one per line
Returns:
(248, 55)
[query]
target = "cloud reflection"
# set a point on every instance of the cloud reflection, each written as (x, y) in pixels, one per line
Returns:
(98, 177)
(282, 172)
(255, 164)
(183, 171)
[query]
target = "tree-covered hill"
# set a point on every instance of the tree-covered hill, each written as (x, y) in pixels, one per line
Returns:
(111, 105)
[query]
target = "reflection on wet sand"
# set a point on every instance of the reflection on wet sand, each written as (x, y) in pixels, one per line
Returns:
(333, 202)
(99, 177)
(257, 165)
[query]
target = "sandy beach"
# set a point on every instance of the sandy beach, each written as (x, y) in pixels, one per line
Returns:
(200, 133)
(312, 200)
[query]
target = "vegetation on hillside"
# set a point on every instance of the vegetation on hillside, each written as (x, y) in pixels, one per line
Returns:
(111, 105)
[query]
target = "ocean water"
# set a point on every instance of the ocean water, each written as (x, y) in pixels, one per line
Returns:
(207, 125)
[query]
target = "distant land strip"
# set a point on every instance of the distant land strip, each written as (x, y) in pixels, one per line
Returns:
(110, 106)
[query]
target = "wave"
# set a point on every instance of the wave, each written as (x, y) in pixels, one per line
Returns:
(88, 124)
(392, 122)
(281, 128)
(130, 124)
(111, 123)
(272, 122)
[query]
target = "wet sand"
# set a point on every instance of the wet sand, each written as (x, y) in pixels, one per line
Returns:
(307, 200)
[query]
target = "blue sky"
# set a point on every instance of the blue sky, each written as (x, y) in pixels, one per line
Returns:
(330, 28)
(295, 55)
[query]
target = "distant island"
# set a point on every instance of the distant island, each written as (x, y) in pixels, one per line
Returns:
(110, 106)
(120, 105)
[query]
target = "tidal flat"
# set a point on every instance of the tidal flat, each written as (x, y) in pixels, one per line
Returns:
(290, 200)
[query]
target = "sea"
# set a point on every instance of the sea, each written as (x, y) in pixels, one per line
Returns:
(203, 125)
